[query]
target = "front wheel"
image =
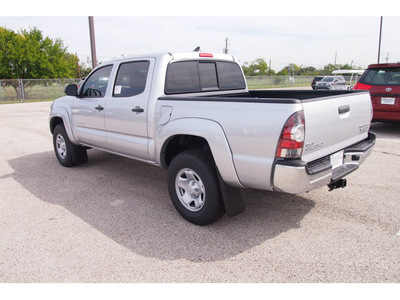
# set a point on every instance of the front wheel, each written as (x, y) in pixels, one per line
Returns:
(193, 187)
(67, 153)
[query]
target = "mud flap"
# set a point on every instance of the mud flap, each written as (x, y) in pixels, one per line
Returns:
(232, 198)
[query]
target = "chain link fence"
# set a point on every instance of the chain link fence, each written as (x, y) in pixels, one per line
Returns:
(31, 90)
(262, 82)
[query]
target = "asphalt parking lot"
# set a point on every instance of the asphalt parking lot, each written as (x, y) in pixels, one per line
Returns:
(111, 220)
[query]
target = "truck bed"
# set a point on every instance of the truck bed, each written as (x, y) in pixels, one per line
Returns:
(269, 96)
(253, 122)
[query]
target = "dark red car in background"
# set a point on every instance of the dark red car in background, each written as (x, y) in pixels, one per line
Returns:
(383, 83)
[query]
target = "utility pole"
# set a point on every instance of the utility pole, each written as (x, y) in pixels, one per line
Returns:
(380, 39)
(270, 67)
(92, 42)
(77, 66)
(226, 46)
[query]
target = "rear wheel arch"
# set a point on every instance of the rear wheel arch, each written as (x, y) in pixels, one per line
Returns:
(179, 143)
(197, 134)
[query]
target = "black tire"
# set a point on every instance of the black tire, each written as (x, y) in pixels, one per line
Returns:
(193, 187)
(67, 153)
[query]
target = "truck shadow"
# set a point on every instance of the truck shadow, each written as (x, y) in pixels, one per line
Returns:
(128, 201)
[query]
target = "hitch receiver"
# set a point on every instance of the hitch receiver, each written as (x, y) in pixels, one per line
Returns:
(341, 183)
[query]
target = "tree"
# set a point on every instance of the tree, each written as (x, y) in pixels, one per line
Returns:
(30, 55)
(258, 67)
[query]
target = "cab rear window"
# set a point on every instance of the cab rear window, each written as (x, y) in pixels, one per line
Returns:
(200, 76)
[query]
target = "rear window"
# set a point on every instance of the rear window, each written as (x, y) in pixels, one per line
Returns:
(200, 76)
(381, 76)
(327, 79)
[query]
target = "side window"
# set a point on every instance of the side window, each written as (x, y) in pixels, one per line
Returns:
(96, 85)
(131, 79)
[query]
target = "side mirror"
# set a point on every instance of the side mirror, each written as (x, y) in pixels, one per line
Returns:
(71, 90)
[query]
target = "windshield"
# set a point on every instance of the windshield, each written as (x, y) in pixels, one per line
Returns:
(381, 76)
(327, 79)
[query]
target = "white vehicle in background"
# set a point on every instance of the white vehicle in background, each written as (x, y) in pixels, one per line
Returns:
(353, 74)
(331, 83)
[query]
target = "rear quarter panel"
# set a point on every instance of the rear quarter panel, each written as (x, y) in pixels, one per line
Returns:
(251, 129)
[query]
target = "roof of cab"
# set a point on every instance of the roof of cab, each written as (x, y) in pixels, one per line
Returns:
(178, 56)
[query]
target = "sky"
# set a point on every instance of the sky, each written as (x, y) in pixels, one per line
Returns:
(309, 38)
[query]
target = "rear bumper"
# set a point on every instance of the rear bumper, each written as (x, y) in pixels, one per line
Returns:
(386, 116)
(296, 177)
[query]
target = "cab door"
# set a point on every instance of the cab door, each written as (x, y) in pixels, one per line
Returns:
(127, 109)
(88, 109)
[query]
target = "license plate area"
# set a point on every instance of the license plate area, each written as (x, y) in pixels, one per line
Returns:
(388, 100)
(336, 159)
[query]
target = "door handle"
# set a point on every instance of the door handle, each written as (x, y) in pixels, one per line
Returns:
(137, 109)
(99, 107)
(344, 109)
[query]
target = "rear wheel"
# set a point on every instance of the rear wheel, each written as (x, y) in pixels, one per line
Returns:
(193, 187)
(67, 153)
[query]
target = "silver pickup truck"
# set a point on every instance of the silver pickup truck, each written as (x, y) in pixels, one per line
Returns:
(193, 115)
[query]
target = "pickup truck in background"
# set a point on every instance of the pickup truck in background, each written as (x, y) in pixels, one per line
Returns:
(193, 115)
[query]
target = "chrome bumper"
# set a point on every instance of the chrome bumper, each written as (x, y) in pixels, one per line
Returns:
(296, 177)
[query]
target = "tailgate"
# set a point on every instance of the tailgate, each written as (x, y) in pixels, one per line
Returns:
(335, 122)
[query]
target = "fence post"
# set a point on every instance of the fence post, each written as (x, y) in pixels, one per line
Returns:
(21, 87)
(1, 90)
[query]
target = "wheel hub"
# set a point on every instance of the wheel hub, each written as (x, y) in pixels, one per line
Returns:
(193, 189)
(61, 146)
(190, 189)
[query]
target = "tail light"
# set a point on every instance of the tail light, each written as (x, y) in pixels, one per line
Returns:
(362, 86)
(291, 141)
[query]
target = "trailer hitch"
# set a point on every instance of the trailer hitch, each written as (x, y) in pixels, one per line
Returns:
(341, 183)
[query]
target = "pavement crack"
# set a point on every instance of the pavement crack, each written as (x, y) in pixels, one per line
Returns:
(389, 153)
